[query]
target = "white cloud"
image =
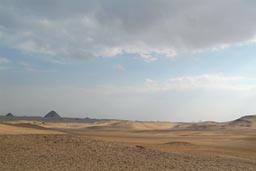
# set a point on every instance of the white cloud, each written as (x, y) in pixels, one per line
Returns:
(205, 82)
(108, 28)
(57, 61)
(204, 97)
(31, 46)
(4, 60)
(119, 67)
(5, 64)
(27, 67)
(110, 52)
(216, 82)
(3, 68)
(148, 57)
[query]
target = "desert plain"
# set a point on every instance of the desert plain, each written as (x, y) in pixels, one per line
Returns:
(120, 145)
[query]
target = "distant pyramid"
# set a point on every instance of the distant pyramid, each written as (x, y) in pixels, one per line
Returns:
(9, 115)
(52, 114)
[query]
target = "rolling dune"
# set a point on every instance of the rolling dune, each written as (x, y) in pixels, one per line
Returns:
(128, 145)
(17, 130)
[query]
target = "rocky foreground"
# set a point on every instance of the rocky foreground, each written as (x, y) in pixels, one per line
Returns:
(78, 153)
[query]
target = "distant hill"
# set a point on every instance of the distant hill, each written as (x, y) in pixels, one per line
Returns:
(132, 125)
(248, 121)
(52, 114)
(9, 115)
(245, 121)
(207, 125)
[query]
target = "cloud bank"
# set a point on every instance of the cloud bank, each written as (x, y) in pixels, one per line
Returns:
(99, 28)
(199, 97)
(216, 82)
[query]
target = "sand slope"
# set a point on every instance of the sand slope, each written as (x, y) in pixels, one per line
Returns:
(245, 121)
(11, 129)
(241, 123)
(116, 145)
(77, 153)
(133, 125)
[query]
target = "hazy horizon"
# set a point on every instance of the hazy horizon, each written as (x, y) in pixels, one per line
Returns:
(166, 60)
(91, 116)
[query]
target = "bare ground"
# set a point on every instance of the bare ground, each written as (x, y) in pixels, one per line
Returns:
(124, 146)
(73, 153)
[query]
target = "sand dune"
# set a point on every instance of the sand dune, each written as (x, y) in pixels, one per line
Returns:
(241, 123)
(245, 121)
(11, 129)
(134, 125)
(102, 125)
(128, 145)
(77, 153)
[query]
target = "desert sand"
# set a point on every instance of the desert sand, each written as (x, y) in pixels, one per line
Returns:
(117, 145)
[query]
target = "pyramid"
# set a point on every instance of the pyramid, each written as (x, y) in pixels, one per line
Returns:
(52, 114)
(9, 115)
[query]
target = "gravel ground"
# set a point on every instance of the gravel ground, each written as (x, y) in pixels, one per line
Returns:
(78, 153)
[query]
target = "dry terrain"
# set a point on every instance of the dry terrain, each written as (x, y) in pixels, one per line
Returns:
(128, 145)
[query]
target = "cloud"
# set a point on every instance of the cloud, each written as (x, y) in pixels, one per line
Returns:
(27, 67)
(119, 67)
(187, 98)
(3, 68)
(85, 28)
(214, 82)
(206, 82)
(57, 61)
(4, 60)
(5, 64)
(148, 57)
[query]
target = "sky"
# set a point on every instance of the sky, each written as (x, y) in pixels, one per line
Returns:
(164, 60)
